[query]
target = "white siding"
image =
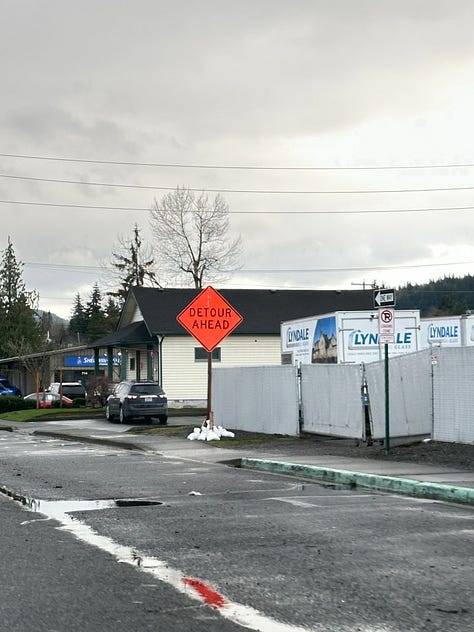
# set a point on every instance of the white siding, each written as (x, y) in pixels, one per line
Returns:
(250, 350)
(185, 379)
(131, 353)
(137, 316)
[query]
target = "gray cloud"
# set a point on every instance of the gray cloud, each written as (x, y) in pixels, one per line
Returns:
(269, 82)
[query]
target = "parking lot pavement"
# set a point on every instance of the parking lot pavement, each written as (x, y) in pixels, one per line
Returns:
(293, 457)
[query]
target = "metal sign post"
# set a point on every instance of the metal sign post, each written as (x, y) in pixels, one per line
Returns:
(209, 414)
(209, 318)
(386, 337)
(387, 402)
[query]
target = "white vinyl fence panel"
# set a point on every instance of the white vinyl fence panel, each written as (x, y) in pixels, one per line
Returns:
(257, 399)
(410, 395)
(431, 392)
(331, 400)
(453, 372)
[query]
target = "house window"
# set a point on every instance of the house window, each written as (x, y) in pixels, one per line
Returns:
(200, 354)
(132, 364)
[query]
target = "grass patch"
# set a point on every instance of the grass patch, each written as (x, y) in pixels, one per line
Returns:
(241, 440)
(168, 431)
(244, 439)
(46, 414)
(187, 412)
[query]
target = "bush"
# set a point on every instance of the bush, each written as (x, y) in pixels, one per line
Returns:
(9, 403)
(77, 402)
(98, 389)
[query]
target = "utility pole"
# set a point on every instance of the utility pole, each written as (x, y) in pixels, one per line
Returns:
(374, 285)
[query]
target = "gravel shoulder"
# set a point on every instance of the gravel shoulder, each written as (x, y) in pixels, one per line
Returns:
(412, 450)
(453, 455)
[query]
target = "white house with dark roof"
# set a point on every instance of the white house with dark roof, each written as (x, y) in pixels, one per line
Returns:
(153, 345)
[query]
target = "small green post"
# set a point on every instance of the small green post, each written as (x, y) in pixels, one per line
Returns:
(387, 403)
(96, 362)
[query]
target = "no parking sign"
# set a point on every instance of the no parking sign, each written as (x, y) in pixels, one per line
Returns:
(386, 325)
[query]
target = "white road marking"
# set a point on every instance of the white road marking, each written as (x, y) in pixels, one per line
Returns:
(295, 502)
(241, 614)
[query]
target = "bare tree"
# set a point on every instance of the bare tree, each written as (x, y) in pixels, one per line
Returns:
(37, 364)
(191, 233)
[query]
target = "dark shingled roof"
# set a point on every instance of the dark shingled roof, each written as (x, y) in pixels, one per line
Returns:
(133, 334)
(262, 310)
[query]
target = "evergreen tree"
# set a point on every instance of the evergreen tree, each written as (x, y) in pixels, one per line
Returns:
(451, 305)
(79, 320)
(447, 296)
(112, 313)
(92, 321)
(20, 329)
(96, 317)
(133, 266)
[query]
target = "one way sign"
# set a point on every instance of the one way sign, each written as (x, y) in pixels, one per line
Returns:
(384, 298)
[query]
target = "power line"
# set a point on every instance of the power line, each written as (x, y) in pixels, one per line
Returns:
(237, 167)
(66, 266)
(94, 269)
(232, 212)
(56, 298)
(356, 269)
(211, 190)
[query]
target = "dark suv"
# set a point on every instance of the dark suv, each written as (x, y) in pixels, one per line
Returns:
(132, 398)
(73, 390)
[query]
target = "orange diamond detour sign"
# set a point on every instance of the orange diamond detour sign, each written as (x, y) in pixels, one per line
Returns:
(209, 318)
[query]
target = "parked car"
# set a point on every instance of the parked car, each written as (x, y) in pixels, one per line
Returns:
(69, 389)
(132, 398)
(12, 390)
(45, 400)
(5, 391)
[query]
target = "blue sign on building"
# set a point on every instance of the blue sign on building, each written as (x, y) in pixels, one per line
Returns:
(88, 361)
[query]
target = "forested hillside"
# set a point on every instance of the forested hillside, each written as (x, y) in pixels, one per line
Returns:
(448, 296)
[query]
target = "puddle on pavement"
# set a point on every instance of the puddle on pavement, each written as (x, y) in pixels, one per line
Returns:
(57, 508)
(232, 462)
(127, 502)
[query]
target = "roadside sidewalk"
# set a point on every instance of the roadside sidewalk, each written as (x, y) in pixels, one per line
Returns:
(399, 477)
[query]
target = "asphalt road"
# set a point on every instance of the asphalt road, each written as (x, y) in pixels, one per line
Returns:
(267, 551)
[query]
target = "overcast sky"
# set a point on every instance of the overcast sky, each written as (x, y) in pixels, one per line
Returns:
(333, 84)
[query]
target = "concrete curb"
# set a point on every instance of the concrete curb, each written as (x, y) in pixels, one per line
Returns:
(436, 491)
(69, 436)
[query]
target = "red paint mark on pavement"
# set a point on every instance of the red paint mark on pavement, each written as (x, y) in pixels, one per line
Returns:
(210, 597)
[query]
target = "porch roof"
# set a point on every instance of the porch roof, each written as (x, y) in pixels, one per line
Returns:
(129, 336)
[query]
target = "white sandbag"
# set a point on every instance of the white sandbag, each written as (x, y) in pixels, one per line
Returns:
(213, 436)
